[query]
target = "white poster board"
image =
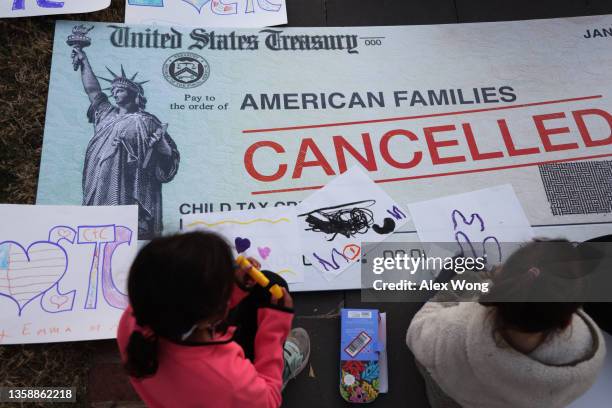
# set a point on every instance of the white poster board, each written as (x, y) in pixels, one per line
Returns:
(25, 8)
(63, 271)
(487, 217)
(336, 219)
(207, 13)
(269, 235)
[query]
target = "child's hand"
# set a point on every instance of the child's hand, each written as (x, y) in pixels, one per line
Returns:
(285, 301)
(242, 274)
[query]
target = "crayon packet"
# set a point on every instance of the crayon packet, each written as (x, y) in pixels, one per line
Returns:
(359, 355)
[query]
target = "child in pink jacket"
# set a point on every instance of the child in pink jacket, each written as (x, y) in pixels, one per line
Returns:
(177, 337)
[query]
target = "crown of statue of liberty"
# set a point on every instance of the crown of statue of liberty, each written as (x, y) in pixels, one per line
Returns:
(122, 81)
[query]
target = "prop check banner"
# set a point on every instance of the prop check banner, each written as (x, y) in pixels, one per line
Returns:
(190, 120)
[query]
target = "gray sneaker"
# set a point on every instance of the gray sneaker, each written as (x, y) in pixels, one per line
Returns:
(296, 352)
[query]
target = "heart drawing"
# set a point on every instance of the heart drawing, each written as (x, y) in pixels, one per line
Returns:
(54, 301)
(59, 301)
(264, 252)
(25, 274)
(242, 244)
(197, 4)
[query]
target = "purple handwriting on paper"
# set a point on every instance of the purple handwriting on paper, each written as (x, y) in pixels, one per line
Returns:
(54, 300)
(473, 217)
(197, 4)
(20, 4)
(462, 237)
(26, 274)
(112, 294)
(218, 7)
(242, 244)
(268, 5)
(396, 213)
(96, 235)
(332, 264)
(106, 239)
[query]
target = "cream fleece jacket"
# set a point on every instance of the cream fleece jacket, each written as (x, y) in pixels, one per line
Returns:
(456, 345)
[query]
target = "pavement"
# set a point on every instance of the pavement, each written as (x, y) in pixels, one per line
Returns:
(317, 385)
(318, 313)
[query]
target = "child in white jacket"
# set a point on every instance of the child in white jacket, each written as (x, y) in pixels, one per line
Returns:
(511, 354)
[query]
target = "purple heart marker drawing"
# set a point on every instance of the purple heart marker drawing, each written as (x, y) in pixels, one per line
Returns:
(26, 274)
(242, 244)
(264, 252)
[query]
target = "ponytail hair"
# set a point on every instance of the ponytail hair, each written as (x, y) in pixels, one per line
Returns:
(174, 283)
(142, 355)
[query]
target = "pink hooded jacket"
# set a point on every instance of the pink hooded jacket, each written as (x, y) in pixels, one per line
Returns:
(216, 374)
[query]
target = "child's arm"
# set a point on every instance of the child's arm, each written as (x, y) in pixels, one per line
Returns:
(260, 383)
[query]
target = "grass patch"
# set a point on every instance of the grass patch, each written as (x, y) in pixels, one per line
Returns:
(25, 63)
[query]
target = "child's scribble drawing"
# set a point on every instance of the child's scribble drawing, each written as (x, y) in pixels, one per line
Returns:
(20, 4)
(110, 290)
(462, 237)
(54, 301)
(26, 274)
(477, 221)
(270, 235)
(396, 213)
(349, 220)
(96, 236)
(54, 263)
(351, 209)
(220, 7)
(332, 264)
(473, 217)
(226, 13)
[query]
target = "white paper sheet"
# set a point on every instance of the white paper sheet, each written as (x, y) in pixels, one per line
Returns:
(207, 13)
(269, 235)
(24, 8)
(335, 220)
(63, 271)
(488, 216)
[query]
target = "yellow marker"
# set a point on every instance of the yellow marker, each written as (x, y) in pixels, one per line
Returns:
(259, 277)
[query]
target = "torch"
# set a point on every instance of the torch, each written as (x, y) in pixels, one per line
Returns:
(79, 40)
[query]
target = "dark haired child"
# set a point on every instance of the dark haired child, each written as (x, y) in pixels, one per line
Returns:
(494, 354)
(179, 342)
(601, 312)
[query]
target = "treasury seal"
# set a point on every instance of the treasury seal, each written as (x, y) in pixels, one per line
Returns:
(186, 70)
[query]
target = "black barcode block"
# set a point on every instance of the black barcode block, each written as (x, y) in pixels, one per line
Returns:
(358, 344)
(578, 187)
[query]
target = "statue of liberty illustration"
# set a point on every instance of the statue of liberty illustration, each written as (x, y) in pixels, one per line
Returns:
(131, 153)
